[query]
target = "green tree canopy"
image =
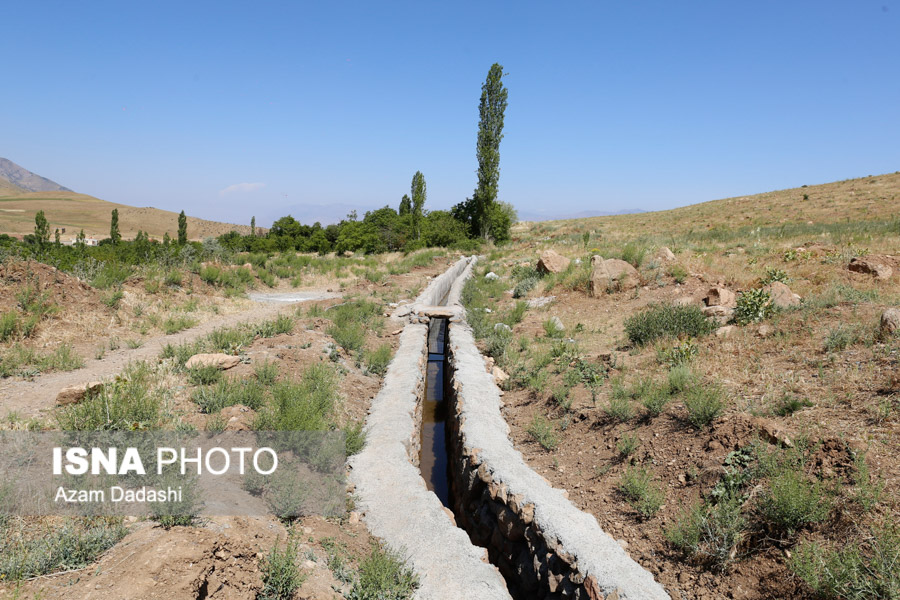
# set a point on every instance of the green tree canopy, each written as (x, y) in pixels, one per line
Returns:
(41, 229)
(114, 234)
(182, 228)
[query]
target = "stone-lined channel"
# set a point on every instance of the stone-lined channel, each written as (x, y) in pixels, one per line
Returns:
(511, 520)
(433, 460)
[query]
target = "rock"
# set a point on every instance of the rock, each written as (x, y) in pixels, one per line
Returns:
(77, 393)
(871, 267)
(890, 322)
(612, 274)
(557, 324)
(222, 361)
(764, 331)
(491, 276)
(552, 262)
(540, 301)
(683, 301)
(502, 327)
(725, 331)
(772, 431)
(593, 588)
(782, 296)
(717, 311)
(665, 254)
(348, 253)
(499, 375)
(719, 296)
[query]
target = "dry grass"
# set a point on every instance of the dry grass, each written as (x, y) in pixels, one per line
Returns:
(74, 212)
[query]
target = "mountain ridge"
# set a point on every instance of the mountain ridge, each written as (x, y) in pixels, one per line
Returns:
(24, 180)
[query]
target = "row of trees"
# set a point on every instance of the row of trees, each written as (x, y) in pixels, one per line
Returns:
(480, 217)
(408, 227)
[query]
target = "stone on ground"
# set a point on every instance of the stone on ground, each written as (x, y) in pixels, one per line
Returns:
(871, 267)
(552, 262)
(612, 274)
(890, 321)
(665, 254)
(222, 361)
(781, 294)
(719, 296)
(76, 393)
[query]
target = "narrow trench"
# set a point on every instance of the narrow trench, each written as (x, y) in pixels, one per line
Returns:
(433, 458)
(437, 445)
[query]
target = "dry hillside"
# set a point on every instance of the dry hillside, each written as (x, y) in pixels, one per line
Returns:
(72, 211)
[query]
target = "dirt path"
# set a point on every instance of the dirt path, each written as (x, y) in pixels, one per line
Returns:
(29, 398)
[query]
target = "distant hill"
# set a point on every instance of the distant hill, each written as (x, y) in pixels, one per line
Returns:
(23, 194)
(851, 202)
(25, 180)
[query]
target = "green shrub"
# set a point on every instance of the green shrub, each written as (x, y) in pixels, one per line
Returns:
(184, 512)
(641, 493)
(681, 378)
(517, 313)
(864, 570)
(70, 544)
(680, 353)
(677, 272)
(304, 406)
(868, 487)
(383, 576)
(213, 398)
(711, 534)
(704, 405)
(377, 360)
(543, 433)
(211, 275)
(125, 404)
(654, 399)
(63, 358)
(667, 320)
(266, 277)
(524, 286)
(843, 336)
(280, 576)
(552, 328)
(266, 373)
(111, 275)
(204, 374)
(177, 323)
(9, 325)
(634, 254)
(628, 444)
(753, 306)
(354, 438)
(793, 502)
(773, 275)
(788, 404)
(174, 278)
(619, 409)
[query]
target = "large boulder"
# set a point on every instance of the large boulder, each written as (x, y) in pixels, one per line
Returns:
(222, 361)
(76, 393)
(782, 296)
(612, 274)
(871, 266)
(890, 322)
(552, 262)
(719, 296)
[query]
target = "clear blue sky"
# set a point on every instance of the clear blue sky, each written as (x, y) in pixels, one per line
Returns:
(612, 105)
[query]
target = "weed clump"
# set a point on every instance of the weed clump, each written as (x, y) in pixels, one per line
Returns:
(641, 493)
(667, 320)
